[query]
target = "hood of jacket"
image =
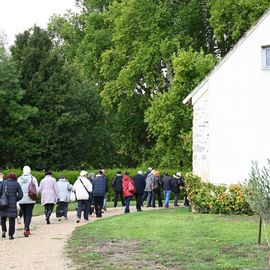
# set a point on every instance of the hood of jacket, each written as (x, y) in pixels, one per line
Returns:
(25, 178)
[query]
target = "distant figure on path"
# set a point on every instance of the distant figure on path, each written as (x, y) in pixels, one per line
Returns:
(139, 182)
(156, 189)
(118, 189)
(49, 194)
(99, 190)
(64, 197)
(128, 190)
(167, 188)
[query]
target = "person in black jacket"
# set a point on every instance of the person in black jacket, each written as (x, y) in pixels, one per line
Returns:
(139, 182)
(15, 194)
(118, 190)
(167, 188)
(99, 191)
(177, 182)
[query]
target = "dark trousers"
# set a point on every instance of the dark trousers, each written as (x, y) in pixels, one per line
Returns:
(156, 193)
(176, 198)
(27, 212)
(48, 209)
(90, 203)
(11, 228)
(98, 201)
(62, 209)
(138, 198)
(83, 205)
(116, 194)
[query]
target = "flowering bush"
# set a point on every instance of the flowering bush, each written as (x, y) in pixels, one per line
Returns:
(217, 199)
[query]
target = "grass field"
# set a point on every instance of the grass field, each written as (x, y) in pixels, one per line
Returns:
(169, 239)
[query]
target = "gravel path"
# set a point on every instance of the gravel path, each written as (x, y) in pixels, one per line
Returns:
(44, 249)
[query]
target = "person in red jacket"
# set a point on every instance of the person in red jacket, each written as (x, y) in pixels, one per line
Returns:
(128, 190)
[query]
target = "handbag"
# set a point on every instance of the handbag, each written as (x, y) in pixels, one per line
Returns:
(72, 196)
(4, 197)
(32, 190)
(59, 212)
(131, 187)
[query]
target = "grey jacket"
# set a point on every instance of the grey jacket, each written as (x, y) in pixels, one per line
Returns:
(64, 190)
(24, 181)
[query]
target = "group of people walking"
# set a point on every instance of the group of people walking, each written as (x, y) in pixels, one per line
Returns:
(89, 190)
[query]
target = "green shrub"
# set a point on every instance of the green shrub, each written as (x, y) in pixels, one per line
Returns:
(217, 199)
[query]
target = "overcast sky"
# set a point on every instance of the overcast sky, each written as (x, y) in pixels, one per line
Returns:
(19, 15)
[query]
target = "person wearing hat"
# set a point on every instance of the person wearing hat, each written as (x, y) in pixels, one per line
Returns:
(82, 188)
(14, 194)
(26, 203)
(177, 182)
(118, 190)
(49, 194)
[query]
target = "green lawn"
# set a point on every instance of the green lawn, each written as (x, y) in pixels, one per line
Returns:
(169, 239)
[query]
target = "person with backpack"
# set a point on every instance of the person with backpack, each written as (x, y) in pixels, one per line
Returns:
(118, 189)
(156, 189)
(128, 190)
(148, 188)
(26, 204)
(64, 197)
(82, 187)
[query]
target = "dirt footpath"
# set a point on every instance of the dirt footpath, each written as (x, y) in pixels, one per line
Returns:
(44, 249)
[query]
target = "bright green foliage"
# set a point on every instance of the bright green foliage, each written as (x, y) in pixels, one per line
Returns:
(108, 83)
(169, 120)
(217, 199)
(230, 19)
(258, 185)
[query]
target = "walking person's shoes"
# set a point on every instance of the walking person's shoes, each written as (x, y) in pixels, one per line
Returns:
(78, 220)
(3, 234)
(48, 221)
(11, 237)
(26, 233)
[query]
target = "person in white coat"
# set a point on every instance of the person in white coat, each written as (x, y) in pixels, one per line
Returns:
(26, 203)
(82, 187)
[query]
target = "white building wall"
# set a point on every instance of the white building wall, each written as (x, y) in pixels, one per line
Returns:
(200, 134)
(239, 110)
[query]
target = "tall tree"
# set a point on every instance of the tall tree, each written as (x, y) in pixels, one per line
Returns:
(68, 107)
(169, 121)
(230, 19)
(15, 129)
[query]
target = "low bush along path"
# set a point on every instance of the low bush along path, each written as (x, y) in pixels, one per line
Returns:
(45, 248)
